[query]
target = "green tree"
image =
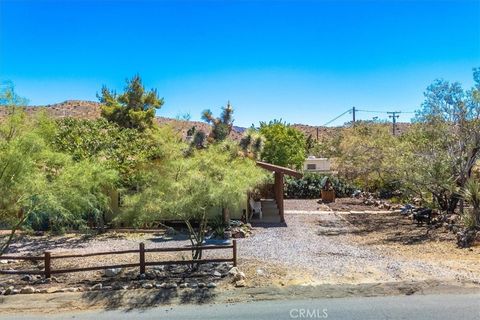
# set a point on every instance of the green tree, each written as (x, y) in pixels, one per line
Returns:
(37, 182)
(135, 108)
(367, 157)
(284, 145)
(125, 150)
(445, 145)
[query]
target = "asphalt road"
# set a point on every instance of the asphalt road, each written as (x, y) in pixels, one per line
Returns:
(448, 307)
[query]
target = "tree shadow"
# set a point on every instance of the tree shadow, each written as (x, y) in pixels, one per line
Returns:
(129, 300)
(29, 244)
(394, 228)
(259, 224)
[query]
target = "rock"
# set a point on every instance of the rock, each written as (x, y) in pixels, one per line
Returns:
(72, 289)
(201, 285)
(171, 286)
(227, 234)
(107, 288)
(15, 291)
(159, 268)
(98, 286)
(192, 285)
(240, 283)
(27, 290)
(260, 272)
(43, 290)
(466, 238)
(183, 285)
(112, 272)
(9, 291)
(452, 218)
(27, 278)
(147, 286)
(3, 261)
(142, 276)
(216, 274)
(211, 285)
(233, 271)
(162, 285)
(239, 276)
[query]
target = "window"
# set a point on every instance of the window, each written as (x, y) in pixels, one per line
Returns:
(311, 166)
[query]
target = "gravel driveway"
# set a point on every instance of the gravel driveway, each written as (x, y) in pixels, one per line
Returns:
(319, 242)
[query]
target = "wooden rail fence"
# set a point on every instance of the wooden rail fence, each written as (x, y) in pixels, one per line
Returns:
(48, 257)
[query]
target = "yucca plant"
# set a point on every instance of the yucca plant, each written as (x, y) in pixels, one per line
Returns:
(471, 193)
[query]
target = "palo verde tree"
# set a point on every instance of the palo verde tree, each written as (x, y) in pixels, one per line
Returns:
(134, 108)
(38, 183)
(194, 188)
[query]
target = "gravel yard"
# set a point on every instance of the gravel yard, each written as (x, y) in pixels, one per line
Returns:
(319, 245)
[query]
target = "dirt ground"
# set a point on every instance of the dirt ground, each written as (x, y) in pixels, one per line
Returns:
(345, 248)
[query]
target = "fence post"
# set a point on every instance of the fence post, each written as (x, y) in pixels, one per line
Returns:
(48, 268)
(234, 242)
(142, 258)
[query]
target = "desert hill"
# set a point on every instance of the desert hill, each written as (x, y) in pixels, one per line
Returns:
(82, 109)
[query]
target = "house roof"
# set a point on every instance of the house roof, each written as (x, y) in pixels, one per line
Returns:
(284, 170)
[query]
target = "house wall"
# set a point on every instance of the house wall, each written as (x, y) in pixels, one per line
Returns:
(321, 164)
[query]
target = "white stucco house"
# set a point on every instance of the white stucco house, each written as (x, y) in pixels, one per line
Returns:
(314, 164)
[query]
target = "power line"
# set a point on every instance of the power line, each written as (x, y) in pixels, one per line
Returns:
(386, 112)
(354, 110)
(326, 124)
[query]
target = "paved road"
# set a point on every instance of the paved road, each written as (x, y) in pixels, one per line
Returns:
(458, 306)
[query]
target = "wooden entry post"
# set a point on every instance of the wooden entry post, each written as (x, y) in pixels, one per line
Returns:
(279, 194)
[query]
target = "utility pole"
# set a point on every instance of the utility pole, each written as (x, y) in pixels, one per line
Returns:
(394, 115)
(353, 114)
(317, 134)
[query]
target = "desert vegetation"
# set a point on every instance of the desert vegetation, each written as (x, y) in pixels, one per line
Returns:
(58, 174)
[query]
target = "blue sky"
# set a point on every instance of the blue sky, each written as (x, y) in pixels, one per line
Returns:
(302, 61)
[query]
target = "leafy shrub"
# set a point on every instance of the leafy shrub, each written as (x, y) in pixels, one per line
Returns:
(310, 185)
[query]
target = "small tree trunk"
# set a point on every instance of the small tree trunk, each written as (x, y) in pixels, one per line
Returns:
(226, 216)
(12, 233)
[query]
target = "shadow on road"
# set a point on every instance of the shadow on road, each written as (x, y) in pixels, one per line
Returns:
(128, 300)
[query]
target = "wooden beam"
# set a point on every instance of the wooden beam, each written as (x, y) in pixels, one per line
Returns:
(275, 168)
